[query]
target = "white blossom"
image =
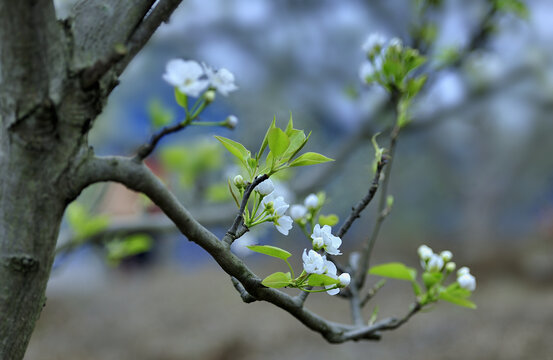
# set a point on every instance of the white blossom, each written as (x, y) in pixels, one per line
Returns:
(313, 263)
(330, 270)
(425, 252)
(265, 188)
(369, 69)
(446, 255)
(450, 267)
(222, 80)
(396, 43)
(462, 271)
(187, 76)
(435, 263)
(297, 211)
(311, 201)
(374, 42)
(238, 181)
(276, 203)
(284, 224)
(331, 242)
(344, 279)
(467, 281)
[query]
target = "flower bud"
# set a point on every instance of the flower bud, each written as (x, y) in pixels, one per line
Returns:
(209, 96)
(435, 263)
(231, 121)
(446, 255)
(344, 279)
(311, 201)
(450, 267)
(396, 44)
(425, 252)
(462, 271)
(239, 181)
(467, 281)
(265, 188)
(297, 212)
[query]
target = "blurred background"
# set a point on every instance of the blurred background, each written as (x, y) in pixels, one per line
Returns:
(473, 173)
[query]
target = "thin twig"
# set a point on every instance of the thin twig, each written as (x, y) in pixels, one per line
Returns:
(231, 234)
(147, 149)
(244, 294)
(383, 325)
(362, 204)
(158, 14)
(372, 292)
(382, 212)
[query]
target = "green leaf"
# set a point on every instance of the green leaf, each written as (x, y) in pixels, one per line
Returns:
(235, 148)
(415, 85)
(174, 158)
(270, 251)
(232, 193)
(329, 220)
(218, 193)
(277, 280)
(456, 290)
(374, 316)
(321, 280)
(82, 223)
(290, 126)
(181, 98)
(517, 7)
(297, 142)
(416, 288)
(278, 142)
(129, 246)
(94, 225)
(310, 158)
(159, 115)
(269, 164)
(461, 301)
(76, 215)
(265, 141)
(431, 278)
(394, 270)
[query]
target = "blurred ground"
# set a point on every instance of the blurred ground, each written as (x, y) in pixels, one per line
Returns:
(168, 313)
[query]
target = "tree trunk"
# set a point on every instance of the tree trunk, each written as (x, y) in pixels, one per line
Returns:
(37, 144)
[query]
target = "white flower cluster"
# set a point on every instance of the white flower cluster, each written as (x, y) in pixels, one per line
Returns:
(322, 240)
(192, 79)
(274, 206)
(375, 47)
(432, 262)
(315, 263)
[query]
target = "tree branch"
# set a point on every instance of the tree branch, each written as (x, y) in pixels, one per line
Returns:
(382, 214)
(383, 325)
(136, 176)
(372, 292)
(108, 34)
(362, 204)
(231, 234)
(245, 295)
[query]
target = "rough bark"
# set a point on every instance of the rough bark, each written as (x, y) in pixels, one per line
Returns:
(54, 79)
